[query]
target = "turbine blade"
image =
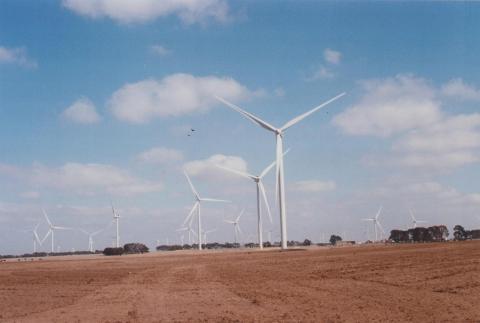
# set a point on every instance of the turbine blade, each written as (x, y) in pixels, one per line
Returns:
(191, 186)
(214, 200)
(46, 217)
(61, 228)
(83, 231)
(411, 215)
(381, 228)
(306, 114)
(239, 216)
(46, 236)
(228, 221)
(378, 213)
(97, 232)
(190, 214)
(266, 170)
(37, 238)
(267, 206)
(248, 115)
(239, 229)
(237, 172)
(368, 219)
(182, 229)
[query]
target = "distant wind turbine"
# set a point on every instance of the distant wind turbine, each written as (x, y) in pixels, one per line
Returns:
(35, 237)
(90, 237)
(414, 220)
(260, 190)
(236, 226)
(279, 133)
(205, 235)
(190, 231)
(52, 229)
(376, 223)
(197, 207)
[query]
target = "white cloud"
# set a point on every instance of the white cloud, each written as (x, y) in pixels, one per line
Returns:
(84, 179)
(452, 142)
(321, 73)
(451, 134)
(206, 168)
(82, 111)
(159, 50)
(314, 186)
(16, 56)
(173, 96)
(459, 89)
(160, 155)
(332, 56)
(139, 11)
(391, 106)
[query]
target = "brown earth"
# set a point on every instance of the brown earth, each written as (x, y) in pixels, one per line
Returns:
(397, 283)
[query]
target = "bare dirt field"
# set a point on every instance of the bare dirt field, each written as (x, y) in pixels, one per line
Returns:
(403, 283)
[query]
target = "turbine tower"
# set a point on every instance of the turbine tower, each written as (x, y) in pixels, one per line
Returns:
(257, 179)
(196, 206)
(236, 226)
(376, 223)
(414, 220)
(116, 218)
(279, 133)
(52, 229)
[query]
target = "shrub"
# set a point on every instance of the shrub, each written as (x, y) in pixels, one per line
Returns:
(334, 239)
(113, 251)
(135, 248)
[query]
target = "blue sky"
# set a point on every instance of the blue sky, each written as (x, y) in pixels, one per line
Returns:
(97, 99)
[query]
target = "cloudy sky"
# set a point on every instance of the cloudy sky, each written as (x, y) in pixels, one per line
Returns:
(98, 99)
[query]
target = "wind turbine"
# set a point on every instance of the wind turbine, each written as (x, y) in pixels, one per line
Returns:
(90, 237)
(190, 232)
(36, 238)
(205, 235)
(236, 225)
(52, 229)
(414, 220)
(196, 206)
(279, 133)
(376, 223)
(116, 218)
(257, 179)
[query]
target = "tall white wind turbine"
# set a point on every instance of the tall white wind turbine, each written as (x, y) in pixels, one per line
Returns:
(52, 229)
(236, 226)
(376, 223)
(197, 206)
(116, 218)
(279, 133)
(257, 179)
(414, 220)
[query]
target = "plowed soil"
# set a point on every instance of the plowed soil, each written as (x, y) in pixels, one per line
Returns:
(393, 283)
